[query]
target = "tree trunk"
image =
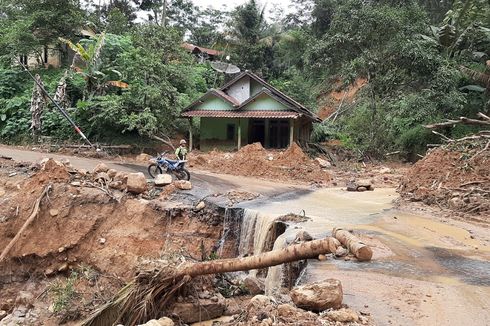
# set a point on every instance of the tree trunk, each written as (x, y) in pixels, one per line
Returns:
(356, 246)
(305, 250)
(38, 102)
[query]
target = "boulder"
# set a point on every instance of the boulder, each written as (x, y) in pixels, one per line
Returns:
(164, 321)
(112, 173)
(318, 296)
(143, 157)
(202, 310)
(53, 212)
(200, 206)
(254, 285)
(117, 185)
(344, 315)
(102, 177)
(183, 185)
(101, 167)
(303, 236)
(136, 183)
(323, 163)
(121, 176)
(163, 180)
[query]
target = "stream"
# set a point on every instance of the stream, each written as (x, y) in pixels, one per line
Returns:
(418, 261)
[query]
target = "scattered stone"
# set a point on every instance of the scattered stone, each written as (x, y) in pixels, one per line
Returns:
(183, 184)
(75, 183)
(322, 257)
(204, 309)
(254, 285)
(318, 296)
(302, 236)
(112, 173)
(323, 163)
(24, 298)
(101, 167)
(143, 157)
(344, 315)
(82, 172)
(200, 206)
(164, 321)
(341, 252)
(3, 313)
(119, 185)
(136, 183)
(53, 212)
(121, 176)
(13, 174)
(163, 180)
(61, 249)
(49, 272)
(384, 170)
(260, 301)
(361, 189)
(102, 241)
(2, 191)
(63, 268)
(20, 311)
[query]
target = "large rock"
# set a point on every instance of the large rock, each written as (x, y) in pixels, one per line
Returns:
(254, 285)
(101, 167)
(183, 185)
(318, 296)
(344, 315)
(204, 309)
(136, 183)
(163, 180)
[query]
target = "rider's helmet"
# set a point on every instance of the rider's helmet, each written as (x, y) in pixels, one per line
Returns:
(183, 142)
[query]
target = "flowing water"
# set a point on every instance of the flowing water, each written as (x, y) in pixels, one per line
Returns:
(406, 246)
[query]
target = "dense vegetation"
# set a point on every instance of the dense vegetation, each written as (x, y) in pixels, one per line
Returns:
(423, 61)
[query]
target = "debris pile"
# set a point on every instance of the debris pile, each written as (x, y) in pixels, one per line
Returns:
(454, 176)
(253, 160)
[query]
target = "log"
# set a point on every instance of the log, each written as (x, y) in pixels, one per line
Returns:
(148, 295)
(356, 246)
(304, 250)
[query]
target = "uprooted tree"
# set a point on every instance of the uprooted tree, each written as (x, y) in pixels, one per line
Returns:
(147, 296)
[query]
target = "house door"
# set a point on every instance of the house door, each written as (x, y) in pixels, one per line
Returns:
(279, 133)
(256, 131)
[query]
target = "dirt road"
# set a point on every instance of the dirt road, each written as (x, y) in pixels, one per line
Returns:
(205, 183)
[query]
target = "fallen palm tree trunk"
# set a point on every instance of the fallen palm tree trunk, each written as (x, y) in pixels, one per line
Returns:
(147, 296)
(356, 246)
(29, 220)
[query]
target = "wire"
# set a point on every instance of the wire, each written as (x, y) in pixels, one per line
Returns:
(63, 112)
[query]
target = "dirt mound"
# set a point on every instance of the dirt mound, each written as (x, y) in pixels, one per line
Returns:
(455, 176)
(291, 165)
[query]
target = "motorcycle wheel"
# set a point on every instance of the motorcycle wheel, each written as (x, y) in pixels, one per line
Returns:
(183, 174)
(154, 170)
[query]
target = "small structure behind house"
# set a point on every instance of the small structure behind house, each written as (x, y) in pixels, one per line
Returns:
(202, 54)
(247, 110)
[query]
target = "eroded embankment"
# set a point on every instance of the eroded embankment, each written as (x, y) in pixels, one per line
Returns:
(88, 239)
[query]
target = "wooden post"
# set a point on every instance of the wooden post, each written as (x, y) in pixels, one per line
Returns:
(190, 134)
(239, 140)
(291, 132)
(267, 133)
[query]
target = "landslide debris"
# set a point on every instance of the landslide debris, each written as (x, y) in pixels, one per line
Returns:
(454, 176)
(291, 164)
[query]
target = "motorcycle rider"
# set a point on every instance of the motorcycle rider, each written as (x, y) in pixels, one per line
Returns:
(181, 151)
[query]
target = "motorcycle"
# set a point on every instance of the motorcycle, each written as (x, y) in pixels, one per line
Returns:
(161, 165)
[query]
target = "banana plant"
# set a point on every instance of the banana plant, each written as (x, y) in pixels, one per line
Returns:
(462, 21)
(87, 62)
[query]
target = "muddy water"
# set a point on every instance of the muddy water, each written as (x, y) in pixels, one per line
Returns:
(414, 254)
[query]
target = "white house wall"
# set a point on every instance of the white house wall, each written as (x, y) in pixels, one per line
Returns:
(240, 90)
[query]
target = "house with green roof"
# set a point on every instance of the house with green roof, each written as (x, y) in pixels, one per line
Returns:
(247, 110)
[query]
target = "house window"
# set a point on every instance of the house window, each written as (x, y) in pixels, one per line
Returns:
(230, 131)
(23, 59)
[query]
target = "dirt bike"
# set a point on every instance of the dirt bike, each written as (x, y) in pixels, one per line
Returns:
(161, 165)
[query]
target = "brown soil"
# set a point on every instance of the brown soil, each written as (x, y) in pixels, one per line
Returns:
(80, 229)
(333, 99)
(253, 160)
(456, 176)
